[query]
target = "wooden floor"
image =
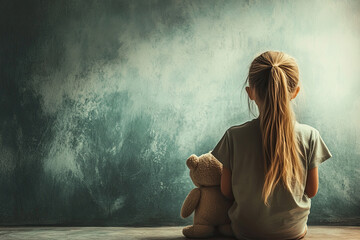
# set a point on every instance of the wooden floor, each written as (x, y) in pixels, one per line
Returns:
(151, 233)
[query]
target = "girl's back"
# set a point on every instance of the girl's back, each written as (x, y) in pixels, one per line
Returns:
(285, 218)
(270, 163)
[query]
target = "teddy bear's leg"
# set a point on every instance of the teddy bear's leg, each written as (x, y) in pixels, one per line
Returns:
(226, 230)
(198, 231)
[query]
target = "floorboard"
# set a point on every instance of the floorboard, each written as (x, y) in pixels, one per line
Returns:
(151, 233)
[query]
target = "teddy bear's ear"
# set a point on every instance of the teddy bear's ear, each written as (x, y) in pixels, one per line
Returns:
(192, 161)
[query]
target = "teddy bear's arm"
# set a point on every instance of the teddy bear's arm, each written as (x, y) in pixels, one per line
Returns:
(190, 203)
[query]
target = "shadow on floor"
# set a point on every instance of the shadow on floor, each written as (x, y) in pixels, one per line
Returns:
(184, 238)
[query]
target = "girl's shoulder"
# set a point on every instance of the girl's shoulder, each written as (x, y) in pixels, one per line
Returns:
(243, 127)
(305, 128)
(306, 132)
(245, 124)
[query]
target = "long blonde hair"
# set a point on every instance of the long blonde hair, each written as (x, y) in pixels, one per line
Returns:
(275, 76)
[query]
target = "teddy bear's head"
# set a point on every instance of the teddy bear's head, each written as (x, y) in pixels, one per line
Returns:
(205, 170)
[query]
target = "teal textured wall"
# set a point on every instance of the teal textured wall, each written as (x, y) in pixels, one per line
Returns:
(103, 101)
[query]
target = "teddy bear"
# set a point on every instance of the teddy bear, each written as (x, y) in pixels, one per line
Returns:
(210, 205)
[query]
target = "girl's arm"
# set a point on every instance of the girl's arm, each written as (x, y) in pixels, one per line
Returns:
(225, 185)
(312, 182)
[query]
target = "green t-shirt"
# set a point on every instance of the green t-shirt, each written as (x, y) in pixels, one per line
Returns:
(240, 150)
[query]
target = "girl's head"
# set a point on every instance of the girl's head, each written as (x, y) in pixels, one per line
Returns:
(273, 77)
(273, 81)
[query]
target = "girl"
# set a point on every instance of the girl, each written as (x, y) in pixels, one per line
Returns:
(270, 164)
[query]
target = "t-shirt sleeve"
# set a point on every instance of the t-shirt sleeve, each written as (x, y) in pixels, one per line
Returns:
(222, 151)
(319, 152)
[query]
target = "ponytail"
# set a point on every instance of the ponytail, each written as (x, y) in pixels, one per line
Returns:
(280, 149)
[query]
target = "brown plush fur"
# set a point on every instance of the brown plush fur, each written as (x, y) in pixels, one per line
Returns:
(210, 205)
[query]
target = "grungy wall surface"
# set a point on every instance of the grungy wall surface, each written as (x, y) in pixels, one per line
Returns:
(102, 102)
